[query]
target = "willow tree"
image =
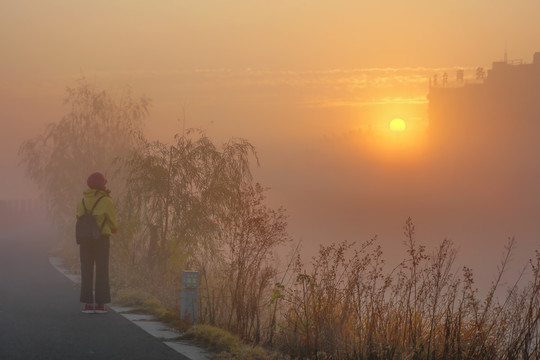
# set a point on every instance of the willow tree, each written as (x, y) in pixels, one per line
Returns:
(177, 193)
(194, 204)
(96, 130)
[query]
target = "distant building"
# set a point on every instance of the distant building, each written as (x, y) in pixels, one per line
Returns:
(501, 108)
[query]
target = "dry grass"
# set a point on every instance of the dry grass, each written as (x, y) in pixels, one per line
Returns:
(347, 307)
(227, 346)
(344, 305)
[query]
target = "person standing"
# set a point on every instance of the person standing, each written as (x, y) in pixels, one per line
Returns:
(96, 253)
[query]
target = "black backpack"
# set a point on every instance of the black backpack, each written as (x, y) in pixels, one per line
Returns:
(86, 228)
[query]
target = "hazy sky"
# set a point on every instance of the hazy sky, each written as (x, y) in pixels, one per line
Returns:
(304, 81)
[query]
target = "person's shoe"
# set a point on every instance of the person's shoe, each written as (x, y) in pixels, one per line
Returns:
(88, 309)
(100, 309)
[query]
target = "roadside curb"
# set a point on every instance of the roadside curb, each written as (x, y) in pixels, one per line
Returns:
(147, 322)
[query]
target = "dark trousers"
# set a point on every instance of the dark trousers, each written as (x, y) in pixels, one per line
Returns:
(96, 254)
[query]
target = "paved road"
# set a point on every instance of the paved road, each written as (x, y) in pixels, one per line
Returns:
(40, 314)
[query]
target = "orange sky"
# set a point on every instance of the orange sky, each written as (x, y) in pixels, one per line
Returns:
(302, 80)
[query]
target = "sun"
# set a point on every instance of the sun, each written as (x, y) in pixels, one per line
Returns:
(397, 125)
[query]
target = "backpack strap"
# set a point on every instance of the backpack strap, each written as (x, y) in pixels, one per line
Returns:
(103, 223)
(84, 206)
(92, 210)
(95, 204)
(93, 207)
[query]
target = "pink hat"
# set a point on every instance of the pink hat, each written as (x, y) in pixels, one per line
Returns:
(96, 181)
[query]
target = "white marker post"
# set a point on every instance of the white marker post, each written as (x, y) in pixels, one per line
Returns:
(189, 296)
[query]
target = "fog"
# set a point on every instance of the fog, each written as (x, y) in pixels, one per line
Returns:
(337, 170)
(314, 100)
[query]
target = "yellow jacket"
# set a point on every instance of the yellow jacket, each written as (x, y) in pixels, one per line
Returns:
(104, 211)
